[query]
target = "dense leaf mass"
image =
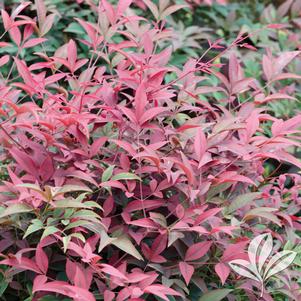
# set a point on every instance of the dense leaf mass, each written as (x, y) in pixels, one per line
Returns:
(135, 164)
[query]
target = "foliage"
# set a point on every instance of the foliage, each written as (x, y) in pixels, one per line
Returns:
(129, 174)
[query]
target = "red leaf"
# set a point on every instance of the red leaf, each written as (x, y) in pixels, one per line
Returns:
(25, 73)
(205, 215)
(197, 250)
(276, 26)
(24, 160)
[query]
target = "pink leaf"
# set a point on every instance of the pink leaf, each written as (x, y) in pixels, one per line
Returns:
(41, 259)
(285, 76)
(41, 11)
(24, 160)
(151, 113)
(108, 269)
(6, 19)
(25, 73)
(108, 295)
(34, 42)
(4, 60)
(284, 59)
(241, 85)
(110, 12)
(161, 291)
(140, 101)
(22, 263)
(171, 9)
(122, 6)
(222, 271)
(276, 26)
(19, 8)
(47, 24)
(205, 215)
(72, 54)
(61, 287)
(200, 144)
(186, 270)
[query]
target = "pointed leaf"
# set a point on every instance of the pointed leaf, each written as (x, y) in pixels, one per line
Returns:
(186, 270)
(126, 245)
(216, 295)
(279, 262)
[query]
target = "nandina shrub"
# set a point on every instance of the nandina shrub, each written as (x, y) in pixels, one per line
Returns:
(126, 178)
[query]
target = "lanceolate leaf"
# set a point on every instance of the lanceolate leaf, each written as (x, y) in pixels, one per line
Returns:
(245, 269)
(15, 209)
(279, 262)
(186, 270)
(265, 251)
(125, 244)
(61, 287)
(125, 176)
(197, 250)
(242, 200)
(255, 249)
(139, 156)
(215, 295)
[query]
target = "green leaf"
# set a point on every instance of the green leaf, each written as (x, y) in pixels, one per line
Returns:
(125, 176)
(30, 186)
(242, 200)
(81, 197)
(74, 28)
(78, 223)
(71, 188)
(3, 286)
(53, 298)
(215, 295)
(49, 230)
(70, 204)
(66, 240)
(105, 240)
(264, 212)
(35, 226)
(92, 204)
(126, 245)
(86, 214)
(79, 236)
(96, 227)
(107, 174)
(15, 209)
(216, 190)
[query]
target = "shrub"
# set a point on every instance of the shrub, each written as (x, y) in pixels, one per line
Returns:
(127, 178)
